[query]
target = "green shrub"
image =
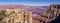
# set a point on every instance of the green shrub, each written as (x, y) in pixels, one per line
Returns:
(2, 14)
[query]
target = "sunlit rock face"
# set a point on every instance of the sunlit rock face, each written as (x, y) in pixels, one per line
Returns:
(14, 14)
(19, 16)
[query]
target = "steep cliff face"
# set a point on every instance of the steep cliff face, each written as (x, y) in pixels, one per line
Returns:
(52, 14)
(57, 15)
(57, 20)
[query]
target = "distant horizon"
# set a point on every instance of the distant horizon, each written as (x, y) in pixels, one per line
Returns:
(23, 4)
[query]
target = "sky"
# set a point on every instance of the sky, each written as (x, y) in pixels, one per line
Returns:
(30, 2)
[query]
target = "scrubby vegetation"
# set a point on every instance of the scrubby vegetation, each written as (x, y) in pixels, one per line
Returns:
(2, 14)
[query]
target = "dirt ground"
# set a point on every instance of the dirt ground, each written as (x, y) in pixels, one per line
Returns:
(34, 19)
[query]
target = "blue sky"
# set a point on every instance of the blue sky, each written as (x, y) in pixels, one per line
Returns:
(30, 2)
